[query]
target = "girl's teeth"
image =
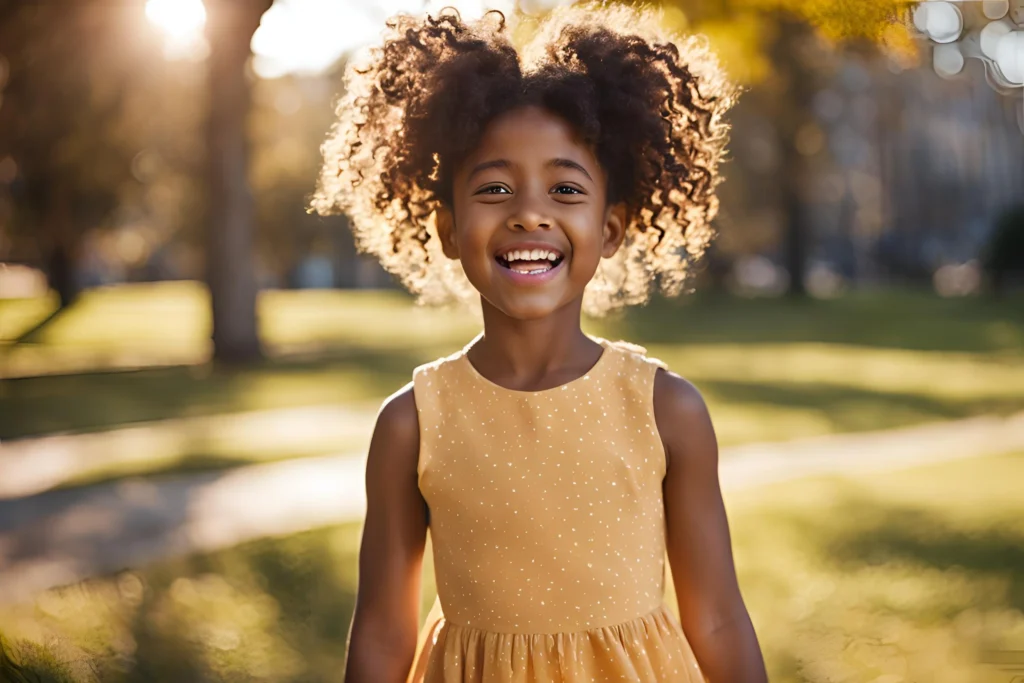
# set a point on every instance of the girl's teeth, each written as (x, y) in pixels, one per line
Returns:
(531, 271)
(534, 255)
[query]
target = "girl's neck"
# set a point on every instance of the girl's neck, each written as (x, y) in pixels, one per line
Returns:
(530, 350)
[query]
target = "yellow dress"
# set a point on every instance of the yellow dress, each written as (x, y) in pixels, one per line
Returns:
(548, 528)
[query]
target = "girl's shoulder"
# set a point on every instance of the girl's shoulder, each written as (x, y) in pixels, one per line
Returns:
(633, 353)
(437, 372)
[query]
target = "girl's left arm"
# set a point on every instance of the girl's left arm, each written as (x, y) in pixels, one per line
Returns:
(711, 609)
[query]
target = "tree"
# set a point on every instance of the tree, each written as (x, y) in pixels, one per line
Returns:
(84, 98)
(62, 124)
(230, 270)
(774, 43)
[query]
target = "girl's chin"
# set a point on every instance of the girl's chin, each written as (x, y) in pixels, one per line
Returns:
(536, 306)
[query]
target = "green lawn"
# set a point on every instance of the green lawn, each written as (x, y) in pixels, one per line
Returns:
(907, 576)
(770, 369)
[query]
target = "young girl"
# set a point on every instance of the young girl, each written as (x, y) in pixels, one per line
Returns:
(555, 471)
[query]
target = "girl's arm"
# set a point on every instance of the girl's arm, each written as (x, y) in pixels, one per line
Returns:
(711, 608)
(382, 641)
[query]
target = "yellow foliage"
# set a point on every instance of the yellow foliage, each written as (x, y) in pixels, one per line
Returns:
(736, 42)
(740, 31)
(839, 19)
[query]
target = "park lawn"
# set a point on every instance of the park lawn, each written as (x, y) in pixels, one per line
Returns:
(902, 576)
(770, 370)
(20, 316)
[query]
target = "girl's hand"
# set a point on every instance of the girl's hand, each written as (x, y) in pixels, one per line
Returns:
(382, 642)
(711, 609)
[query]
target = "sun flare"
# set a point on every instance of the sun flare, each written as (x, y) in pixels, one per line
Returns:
(181, 20)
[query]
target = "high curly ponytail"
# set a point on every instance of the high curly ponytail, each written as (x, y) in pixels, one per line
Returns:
(651, 106)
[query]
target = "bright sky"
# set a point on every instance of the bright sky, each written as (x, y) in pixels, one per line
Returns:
(307, 36)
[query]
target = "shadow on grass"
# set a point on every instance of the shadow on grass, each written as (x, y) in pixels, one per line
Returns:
(914, 536)
(27, 662)
(273, 610)
(98, 400)
(32, 333)
(889, 319)
(857, 530)
(851, 579)
(302, 592)
(851, 409)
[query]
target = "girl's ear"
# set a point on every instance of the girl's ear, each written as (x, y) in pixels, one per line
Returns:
(614, 230)
(446, 231)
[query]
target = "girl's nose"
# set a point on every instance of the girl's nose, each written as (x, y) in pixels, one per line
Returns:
(528, 219)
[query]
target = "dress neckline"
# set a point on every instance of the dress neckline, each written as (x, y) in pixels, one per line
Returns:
(597, 367)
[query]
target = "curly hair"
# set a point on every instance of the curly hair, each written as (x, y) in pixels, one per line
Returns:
(651, 106)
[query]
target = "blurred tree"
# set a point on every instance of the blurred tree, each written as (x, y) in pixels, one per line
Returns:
(97, 134)
(62, 125)
(1004, 254)
(97, 123)
(781, 46)
(230, 256)
(230, 274)
(290, 115)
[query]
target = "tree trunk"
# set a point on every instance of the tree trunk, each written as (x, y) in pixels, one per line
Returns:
(61, 244)
(60, 264)
(791, 112)
(795, 230)
(230, 265)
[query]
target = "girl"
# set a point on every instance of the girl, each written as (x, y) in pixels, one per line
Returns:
(554, 470)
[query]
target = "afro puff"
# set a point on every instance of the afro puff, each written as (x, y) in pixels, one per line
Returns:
(650, 105)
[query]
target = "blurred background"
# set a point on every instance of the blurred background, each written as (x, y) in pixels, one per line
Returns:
(190, 364)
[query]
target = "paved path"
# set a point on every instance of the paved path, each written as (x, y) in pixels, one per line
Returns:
(37, 464)
(60, 537)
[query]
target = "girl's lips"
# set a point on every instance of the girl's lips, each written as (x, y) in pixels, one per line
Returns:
(528, 279)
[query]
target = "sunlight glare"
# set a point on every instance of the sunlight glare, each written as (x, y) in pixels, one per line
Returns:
(308, 36)
(181, 20)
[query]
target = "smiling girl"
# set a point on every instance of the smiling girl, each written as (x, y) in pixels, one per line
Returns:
(555, 471)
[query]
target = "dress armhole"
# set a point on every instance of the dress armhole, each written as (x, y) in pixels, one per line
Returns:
(426, 413)
(655, 366)
(646, 374)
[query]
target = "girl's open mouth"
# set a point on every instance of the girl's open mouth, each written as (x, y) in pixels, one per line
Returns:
(529, 262)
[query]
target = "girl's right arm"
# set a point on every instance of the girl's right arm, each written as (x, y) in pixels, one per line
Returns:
(385, 626)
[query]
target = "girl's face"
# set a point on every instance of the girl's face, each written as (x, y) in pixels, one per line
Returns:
(530, 220)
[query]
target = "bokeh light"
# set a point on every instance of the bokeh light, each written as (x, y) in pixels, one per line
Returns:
(180, 19)
(1010, 57)
(941, 21)
(182, 23)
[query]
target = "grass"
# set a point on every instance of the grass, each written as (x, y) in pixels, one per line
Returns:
(910, 576)
(770, 370)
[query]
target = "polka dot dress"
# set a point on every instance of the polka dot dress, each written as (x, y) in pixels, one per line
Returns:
(548, 528)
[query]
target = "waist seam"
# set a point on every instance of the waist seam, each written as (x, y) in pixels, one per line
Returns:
(659, 609)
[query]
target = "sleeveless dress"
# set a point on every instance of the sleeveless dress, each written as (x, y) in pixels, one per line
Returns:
(548, 529)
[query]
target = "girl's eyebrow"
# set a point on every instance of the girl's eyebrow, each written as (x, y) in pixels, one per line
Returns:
(494, 163)
(569, 163)
(557, 162)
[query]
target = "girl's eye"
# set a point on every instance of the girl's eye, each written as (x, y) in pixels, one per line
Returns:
(494, 189)
(566, 189)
